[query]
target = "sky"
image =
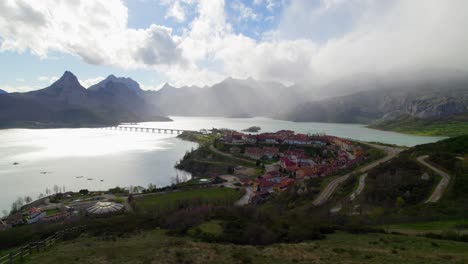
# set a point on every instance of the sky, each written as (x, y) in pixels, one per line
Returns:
(202, 42)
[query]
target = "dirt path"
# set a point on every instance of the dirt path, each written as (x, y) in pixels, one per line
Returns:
(440, 188)
(331, 187)
(212, 148)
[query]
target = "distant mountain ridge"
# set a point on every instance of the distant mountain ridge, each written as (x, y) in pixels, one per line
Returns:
(2, 91)
(424, 100)
(117, 99)
(67, 103)
(231, 97)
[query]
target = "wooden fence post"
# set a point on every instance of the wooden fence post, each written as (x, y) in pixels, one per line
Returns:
(22, 254)
(30, 249)
(11, 257)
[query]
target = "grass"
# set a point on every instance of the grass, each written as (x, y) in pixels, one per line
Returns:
(410, 125)
(172, 200)
(212, 227)
(435, 226)
(52, 212)
(156, 247)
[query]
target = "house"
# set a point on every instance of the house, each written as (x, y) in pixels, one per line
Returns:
(35, 215)
(299, 139)
(263, 185)
(343, 144)
(270, 152)
(269, 138)
(284, 184)
(253, 153)
(250, 139)
(285, 133)
(259, 197)
(307, 172)
(288, 165)
(234, 138)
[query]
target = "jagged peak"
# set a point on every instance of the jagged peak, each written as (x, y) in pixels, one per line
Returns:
(67, 79)
(167, 86)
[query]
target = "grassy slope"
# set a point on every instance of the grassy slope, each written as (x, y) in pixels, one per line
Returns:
(453, 127)
(156, 247)
(170, 200)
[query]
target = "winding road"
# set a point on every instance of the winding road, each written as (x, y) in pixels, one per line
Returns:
(331, 187)
(360, 188)
(440, 188)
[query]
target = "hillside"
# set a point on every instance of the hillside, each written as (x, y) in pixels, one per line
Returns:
(156, 247)
(67, 103)
(451, 126)
(2, 91)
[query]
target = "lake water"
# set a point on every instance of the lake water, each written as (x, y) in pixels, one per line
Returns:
(120, 158)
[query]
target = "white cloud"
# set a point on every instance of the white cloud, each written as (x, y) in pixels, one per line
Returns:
(269, 4)
(245, 12)
(91, 81)
(48, 79)
(176, 11)
(93, 30)
(18, 88)
(372, 36)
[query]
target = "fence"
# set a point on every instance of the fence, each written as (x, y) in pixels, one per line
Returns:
(36, 247)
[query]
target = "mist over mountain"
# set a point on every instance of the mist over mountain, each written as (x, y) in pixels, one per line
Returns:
(128, 82)
(366, 98)
(436, 96)
(67, 103)
(229, 98)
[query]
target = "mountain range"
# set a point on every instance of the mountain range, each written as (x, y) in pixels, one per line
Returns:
(67, 103)
(362, 99)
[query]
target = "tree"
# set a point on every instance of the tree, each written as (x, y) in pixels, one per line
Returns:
(41, 195)
(63, 188)
(56, 189)
(28, 199)
(47, 191)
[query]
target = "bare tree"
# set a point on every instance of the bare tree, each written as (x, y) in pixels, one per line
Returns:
(63, 188)
(47, 191)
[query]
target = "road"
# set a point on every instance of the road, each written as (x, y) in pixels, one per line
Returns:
(440, 188)
(212, 148)
(360, 188)
(331, 187)
(244, 200)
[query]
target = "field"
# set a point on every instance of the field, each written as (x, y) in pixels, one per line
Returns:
(156, 247)
(169, 201)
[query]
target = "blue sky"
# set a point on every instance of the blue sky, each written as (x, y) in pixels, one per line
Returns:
(187, 42)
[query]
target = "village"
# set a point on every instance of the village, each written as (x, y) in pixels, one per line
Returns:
(283, 158)
(288, 157)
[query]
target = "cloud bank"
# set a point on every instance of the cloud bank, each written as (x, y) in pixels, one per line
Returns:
(319, 40)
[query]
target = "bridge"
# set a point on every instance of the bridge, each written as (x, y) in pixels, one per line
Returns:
(152, 129)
